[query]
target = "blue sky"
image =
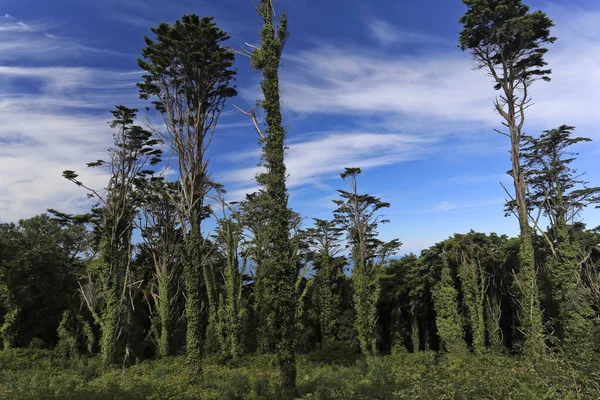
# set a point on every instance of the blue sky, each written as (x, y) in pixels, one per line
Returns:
(379, 85)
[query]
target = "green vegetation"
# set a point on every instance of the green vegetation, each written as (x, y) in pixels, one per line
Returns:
(37, 374)
(262, 307)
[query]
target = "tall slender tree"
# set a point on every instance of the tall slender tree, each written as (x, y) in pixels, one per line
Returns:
(507, 41)
(358, 214)
(189, 76)
(278, 275)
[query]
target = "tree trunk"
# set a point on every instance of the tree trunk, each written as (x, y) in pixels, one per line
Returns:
(192, 268)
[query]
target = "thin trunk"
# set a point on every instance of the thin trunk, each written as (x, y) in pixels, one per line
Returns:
(164, 310)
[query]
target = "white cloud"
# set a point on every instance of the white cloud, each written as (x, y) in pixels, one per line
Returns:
(388, 34)
(439, 85)
(318, 157)
(59, 123)
(448, 206)
(33, 41)
(367, 82)
(9, 24)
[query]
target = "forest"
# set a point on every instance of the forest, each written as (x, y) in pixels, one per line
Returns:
(165, 289)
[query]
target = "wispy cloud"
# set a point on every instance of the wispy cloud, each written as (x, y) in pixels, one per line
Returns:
(388, 34)
(440, 85)
(315, 158)
(52, 118)
(448, 206)
(34, 41)
(9, 24)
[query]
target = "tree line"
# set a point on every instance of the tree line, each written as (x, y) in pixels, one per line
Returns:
(263, 280)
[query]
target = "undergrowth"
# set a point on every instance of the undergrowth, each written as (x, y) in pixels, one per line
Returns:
(39, 374)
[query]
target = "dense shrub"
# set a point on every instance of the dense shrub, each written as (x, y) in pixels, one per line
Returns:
(41, 374)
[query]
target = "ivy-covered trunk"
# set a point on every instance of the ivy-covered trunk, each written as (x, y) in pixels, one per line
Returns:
(446, 308)
(164, 310)
(192, 278)
(572, 298)
(328, 298)
(366, 296)
(279, 273)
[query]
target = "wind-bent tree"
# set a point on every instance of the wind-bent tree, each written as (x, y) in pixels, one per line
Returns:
(358, 214)
(133, 152)
(325, 238)
(506, 41)
(278, 274)
(189, 78)
(161, 237)
(559, 194)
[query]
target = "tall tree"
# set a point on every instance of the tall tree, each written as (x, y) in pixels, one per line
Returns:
(559, 194)
(279, 274)
(358, 214)
(506, 41)
(189, 77)
(133, 152)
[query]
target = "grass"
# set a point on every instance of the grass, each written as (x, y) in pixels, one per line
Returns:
(38, 374)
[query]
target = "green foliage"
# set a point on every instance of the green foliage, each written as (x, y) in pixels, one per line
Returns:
(39, 268)
(501, 32)
(559, 194)
(75, 335)
(29, 374)
(263, 309)
(190, 57)
(232, 311)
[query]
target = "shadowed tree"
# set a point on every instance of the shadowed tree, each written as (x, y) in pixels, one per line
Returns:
(39, 267)
(506, 41)
(188, 76)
